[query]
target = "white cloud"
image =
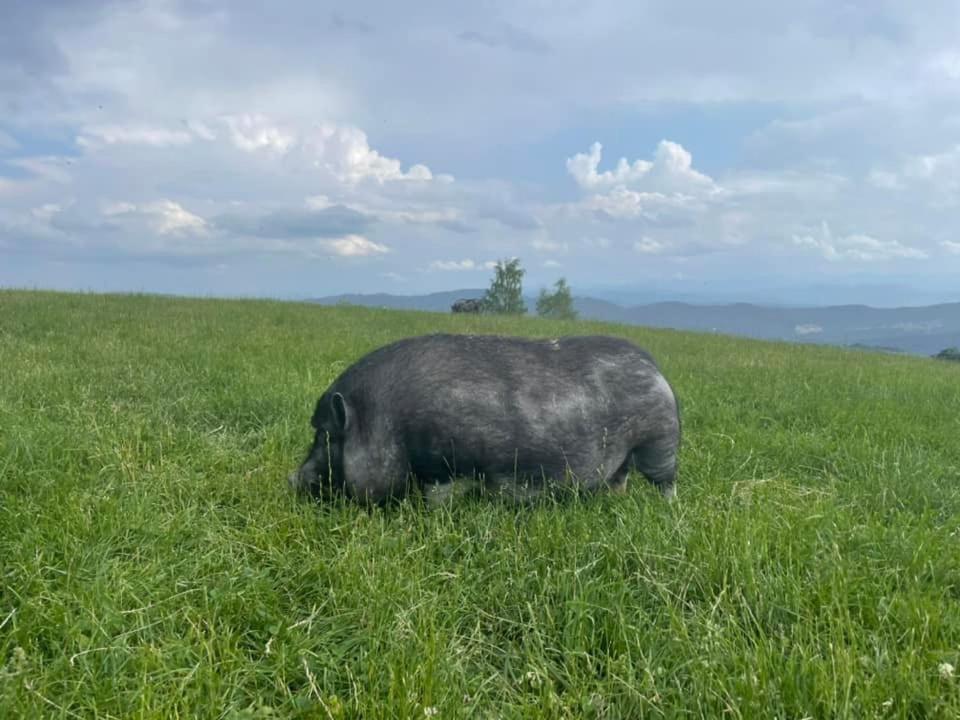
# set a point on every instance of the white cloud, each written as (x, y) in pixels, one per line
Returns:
(551, 264)
(355, 246)
(947, 62)
(857, 247)
(342, 150)
(318, 202)
(666, 191)
(165, 217)
(623, 203)
(926, 167)
(48, 167)
(807, 329)
(583, 168)
(118, 208)
(459, 265)
(648, 246)
(937, 175)
(256, 132)
(173, 219)
(46, 211)
(443, 215)
(346, 152)
(783, 182)
(951, 246)
(545, 243)
(94, 136)
(671, 169)
(202, 130)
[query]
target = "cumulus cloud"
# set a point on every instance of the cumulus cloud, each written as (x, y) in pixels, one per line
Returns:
(256, 132)
(622, 203)
(263, 163)
(671, 169)
(165, 216)
(346, 152)
(857, 247)
(936, 174)
(166, 230)
(173, 219)
(664, 192)
(356, 246)
(583, 168)
(343, 150)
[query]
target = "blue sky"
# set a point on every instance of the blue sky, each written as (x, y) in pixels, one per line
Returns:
(720, 151)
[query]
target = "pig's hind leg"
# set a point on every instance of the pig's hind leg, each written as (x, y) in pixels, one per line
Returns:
(446, 491)
(657, 461)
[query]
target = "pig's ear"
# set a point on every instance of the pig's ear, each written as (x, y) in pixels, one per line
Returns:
(340, 411)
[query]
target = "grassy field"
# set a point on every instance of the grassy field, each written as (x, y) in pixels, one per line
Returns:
(154, 564)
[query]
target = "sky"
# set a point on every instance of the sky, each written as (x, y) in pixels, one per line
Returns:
(804, 153)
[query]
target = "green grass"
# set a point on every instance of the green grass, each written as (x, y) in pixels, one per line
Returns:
(154, 564)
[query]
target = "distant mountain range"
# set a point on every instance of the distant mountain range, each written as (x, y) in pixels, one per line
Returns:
(917, 330)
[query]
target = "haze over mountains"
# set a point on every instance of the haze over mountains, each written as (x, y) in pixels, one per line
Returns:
(918, 330)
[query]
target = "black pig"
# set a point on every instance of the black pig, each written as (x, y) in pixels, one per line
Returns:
(511, 416)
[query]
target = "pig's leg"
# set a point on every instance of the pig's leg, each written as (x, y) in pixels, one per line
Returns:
(448, 490)
(657, 460)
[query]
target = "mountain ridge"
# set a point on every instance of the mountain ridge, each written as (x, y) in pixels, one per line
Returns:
(920, 330)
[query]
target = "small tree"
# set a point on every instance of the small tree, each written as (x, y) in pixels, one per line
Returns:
(557, 305)
(951, 353)
(505, 296)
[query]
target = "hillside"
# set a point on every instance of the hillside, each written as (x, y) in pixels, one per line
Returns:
(918, 330)
(153, 564)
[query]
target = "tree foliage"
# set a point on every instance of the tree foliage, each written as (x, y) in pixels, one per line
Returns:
(950, 353)
(557, 305)
(505, 295)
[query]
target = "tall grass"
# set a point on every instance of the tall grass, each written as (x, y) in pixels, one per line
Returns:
(153, 563)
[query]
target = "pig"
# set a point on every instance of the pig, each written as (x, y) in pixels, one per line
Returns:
(513, 417)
